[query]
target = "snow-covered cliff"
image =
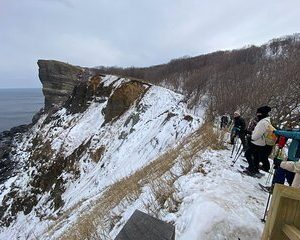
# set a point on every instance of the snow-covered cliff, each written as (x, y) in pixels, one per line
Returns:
(108, 128)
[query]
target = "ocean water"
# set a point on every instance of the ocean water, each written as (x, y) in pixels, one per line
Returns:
(17, 106)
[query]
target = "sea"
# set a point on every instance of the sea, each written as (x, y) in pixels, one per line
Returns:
(17, 106)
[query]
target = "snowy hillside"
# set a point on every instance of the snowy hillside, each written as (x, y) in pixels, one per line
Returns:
(69, 159)
(105, 146)
(215, 201)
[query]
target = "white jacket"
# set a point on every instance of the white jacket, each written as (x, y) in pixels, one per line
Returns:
(292, 167)
(260, 129)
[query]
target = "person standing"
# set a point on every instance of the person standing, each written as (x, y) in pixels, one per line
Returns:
(286, 169)
(258, 151)
(238, 129)
(252, 123)
(224, 121)
(292, 167)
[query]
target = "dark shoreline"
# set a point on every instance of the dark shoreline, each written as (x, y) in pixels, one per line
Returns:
(8, 139)
(7, 165)
(18, 106)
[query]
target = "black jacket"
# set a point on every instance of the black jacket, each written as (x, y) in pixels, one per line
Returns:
(239, 123)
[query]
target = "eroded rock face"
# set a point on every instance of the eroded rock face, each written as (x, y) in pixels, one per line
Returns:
(7, 141)
(86, 92)
(123, 98)
(69, 91)
(59, 80)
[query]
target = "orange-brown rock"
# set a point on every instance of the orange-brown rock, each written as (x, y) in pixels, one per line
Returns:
(123, 98)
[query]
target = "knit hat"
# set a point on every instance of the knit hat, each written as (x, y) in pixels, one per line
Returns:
(264, 110)
(237, 113)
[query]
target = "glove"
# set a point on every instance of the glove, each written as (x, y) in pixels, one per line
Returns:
(277, 162)
(248, 132)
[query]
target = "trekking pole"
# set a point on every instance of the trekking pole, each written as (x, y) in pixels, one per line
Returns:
(271, 172)
(270, 193)
(281, 143)
(233, 147)
(237, 155)
(279, 151)
(266, 210)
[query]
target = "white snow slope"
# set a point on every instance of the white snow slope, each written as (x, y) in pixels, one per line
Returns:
(215, 203)
(150, 127)
(220, 204)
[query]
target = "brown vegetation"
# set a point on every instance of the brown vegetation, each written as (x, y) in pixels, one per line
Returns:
(241, 79)
(96, 223)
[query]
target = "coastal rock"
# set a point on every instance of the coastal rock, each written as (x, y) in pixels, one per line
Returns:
(59, 80)
(87, 91)
(7, 166)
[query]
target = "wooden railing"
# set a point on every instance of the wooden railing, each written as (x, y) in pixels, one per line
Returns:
(283, 220)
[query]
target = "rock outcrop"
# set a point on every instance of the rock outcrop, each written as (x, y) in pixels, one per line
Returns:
(7, 141)
(93, 127)
(59, 80)
(122, 99)
(75, 87)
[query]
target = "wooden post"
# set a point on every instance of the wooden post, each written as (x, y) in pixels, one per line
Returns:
(141, 226)
(283, 220)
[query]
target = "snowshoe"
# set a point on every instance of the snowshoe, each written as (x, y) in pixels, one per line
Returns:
(250, 174)
(243, 167)
(265, 188)
(259, 175)
(246, 173)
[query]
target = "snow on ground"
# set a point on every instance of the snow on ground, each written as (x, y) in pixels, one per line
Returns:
(139, 136)
(222, 204)
(129, 145)
(216, 203)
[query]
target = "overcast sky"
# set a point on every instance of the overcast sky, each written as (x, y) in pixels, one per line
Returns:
(131, 32)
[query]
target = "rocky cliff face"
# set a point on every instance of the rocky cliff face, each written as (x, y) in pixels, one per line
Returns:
(59, 80)
(8, 139)
(96, 127)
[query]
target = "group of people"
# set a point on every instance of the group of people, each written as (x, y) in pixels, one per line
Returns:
(258, 140)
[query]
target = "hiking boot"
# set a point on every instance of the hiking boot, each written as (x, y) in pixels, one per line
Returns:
(259, 175)
(249, 173)
(261, 167)
(268, 189)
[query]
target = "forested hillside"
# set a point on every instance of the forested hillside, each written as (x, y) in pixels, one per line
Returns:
(239, 79)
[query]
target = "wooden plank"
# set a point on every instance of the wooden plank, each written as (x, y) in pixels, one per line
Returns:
(290, 192)
(284, 209)
(272, 213)
(297, 217)
(291, 232)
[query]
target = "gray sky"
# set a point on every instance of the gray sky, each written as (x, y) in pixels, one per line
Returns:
(131, 32)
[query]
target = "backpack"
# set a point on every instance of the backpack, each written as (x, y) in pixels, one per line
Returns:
(270, 137)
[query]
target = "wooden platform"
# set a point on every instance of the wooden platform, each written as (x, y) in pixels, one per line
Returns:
(283, 220)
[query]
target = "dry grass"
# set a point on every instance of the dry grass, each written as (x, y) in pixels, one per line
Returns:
(164, 195)
(162, 190)
(187, 162)
(213, 139)
(91, 225)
